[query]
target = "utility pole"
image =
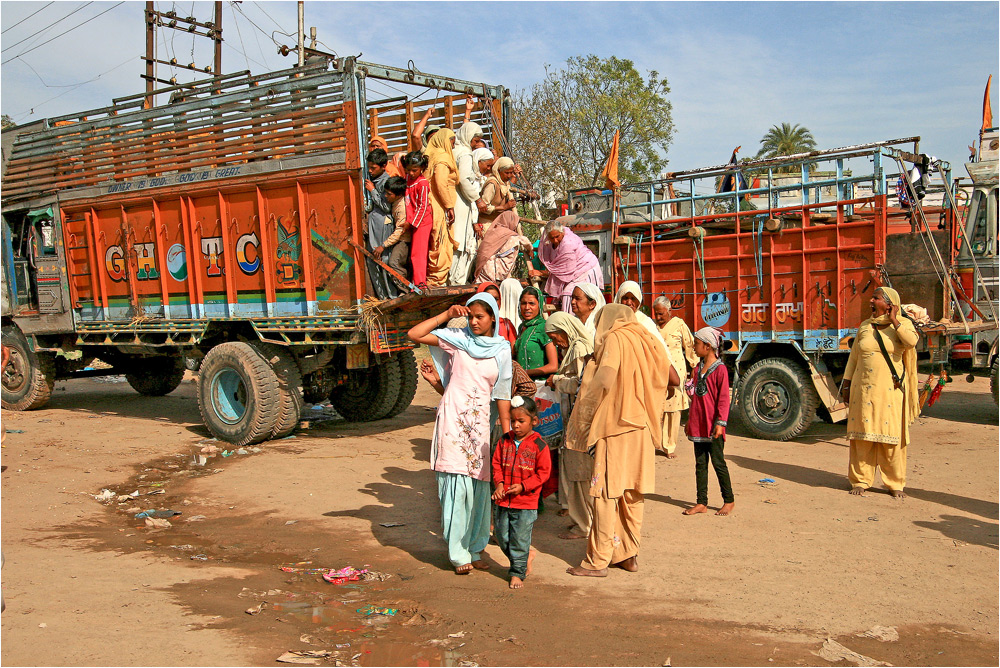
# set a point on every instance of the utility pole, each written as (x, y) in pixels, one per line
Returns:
(157, 19)
(302, 33)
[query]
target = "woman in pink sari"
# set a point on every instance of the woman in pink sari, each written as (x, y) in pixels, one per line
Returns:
(568, 261)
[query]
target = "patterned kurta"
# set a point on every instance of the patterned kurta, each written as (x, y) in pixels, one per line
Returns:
(461, 442)
(876, 409)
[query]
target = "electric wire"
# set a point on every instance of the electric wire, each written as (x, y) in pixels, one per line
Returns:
(38, 32)
(31, 110)
(52, 39)
(24, 19)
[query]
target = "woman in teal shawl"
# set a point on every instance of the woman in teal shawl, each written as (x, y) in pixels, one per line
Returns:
(533, 350)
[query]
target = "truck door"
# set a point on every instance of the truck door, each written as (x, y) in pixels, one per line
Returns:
(981, 231)
(36, 268)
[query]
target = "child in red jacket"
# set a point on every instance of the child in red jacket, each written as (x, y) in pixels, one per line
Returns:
(707, 419)
(521, 464)
(419, 217)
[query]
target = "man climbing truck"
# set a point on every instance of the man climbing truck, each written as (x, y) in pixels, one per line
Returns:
(785, 261)
(226, 225)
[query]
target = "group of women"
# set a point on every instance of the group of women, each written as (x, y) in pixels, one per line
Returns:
(612, 371)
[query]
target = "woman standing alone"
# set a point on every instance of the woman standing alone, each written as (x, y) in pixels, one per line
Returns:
(885, 401)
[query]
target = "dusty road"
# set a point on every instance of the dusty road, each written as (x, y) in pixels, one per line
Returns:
(801, 561)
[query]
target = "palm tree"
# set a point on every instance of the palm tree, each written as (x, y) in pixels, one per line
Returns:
(786, 139)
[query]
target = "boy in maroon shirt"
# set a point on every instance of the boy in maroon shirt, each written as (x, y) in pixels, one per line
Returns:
(521, 464)
(709, 412)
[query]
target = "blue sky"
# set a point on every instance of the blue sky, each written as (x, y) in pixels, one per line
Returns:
(850, 72)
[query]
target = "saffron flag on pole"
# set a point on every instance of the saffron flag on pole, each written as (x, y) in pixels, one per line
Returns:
(610, 173)
(987, 106)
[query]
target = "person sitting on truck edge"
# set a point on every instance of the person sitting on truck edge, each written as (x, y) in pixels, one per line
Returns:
(521, 464)
(418, 214)
(880, 410)
(398, 241)
(474, 369)
(708, 390)
(379, 225)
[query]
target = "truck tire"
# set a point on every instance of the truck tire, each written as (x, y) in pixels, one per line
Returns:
(407, 382)
(239, 394)
(369, 394)
(995, 381)
(155, 376)
(28, 377)
(777, 400)
(289, 388)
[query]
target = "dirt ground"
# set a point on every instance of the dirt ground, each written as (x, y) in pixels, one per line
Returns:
(800, 562)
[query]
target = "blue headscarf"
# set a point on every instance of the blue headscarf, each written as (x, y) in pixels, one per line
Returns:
(477, 347)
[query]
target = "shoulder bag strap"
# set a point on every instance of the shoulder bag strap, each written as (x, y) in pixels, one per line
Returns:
(897, 380)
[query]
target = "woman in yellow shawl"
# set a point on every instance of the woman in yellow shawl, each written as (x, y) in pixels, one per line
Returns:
(680, 343)
(617, 419)
(879, 413)
(575, 468)
(442, 173)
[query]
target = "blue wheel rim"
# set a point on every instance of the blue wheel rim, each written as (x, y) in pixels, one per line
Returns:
(229, 396)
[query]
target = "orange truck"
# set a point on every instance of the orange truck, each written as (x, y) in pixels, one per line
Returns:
(784, 255)
(226, 227)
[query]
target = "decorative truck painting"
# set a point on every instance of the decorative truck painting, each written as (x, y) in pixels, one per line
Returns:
(225, 227)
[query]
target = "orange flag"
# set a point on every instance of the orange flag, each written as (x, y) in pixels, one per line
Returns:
(610, 172)
(987, 107)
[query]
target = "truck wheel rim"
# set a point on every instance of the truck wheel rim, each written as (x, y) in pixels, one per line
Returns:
(15, 374)
(771, 401)
(229, 396)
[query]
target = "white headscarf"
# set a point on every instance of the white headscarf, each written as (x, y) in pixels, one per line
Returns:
(510, 299)
(478, 156)
(464, 137)
(594, 294)
(632, 288)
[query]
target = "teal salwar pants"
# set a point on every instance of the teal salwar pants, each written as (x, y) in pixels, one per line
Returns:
(465, 516)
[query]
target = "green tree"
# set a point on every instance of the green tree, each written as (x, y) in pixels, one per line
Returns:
(6, 122)
(786, 139)
(563, 126)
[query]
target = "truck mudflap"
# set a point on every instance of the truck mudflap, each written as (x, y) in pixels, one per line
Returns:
(388, 321)
(828, 391)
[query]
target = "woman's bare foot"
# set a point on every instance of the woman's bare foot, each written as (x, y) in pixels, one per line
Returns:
(631, 564)
(857, 490)
(897, 493)
(531, 561)
(726, 509)
(671, 455)
(586, 572)
(563, 512)
(570, 535)
(694, 510)
(516, 582)
(481, 565)
(464, 569)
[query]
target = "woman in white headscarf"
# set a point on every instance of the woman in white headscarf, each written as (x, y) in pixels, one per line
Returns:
(586, 299)
(510, 295)
(630, 294)
(470, 185)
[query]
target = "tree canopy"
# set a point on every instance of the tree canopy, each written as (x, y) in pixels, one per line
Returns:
(563, 126)
(786, 139)
(6, 122)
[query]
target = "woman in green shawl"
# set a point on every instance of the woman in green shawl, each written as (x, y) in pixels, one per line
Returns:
(533, 350)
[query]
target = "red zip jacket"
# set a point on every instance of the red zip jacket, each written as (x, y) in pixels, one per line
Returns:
(528, 465)
(418, 204)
